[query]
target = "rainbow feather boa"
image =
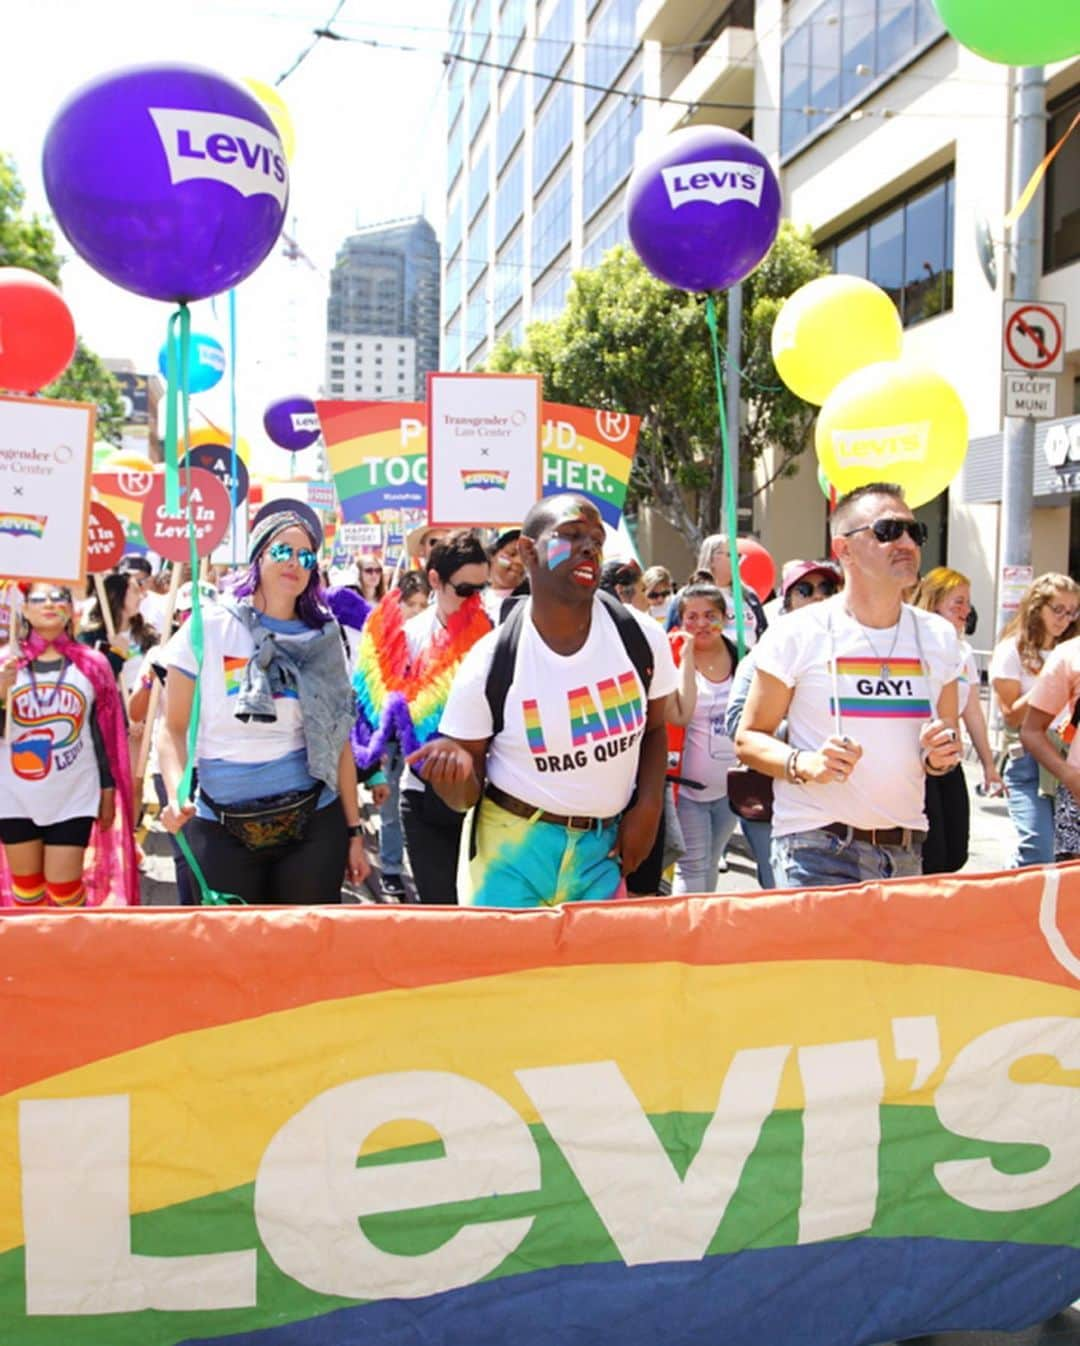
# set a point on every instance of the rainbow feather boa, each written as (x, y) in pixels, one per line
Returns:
(396, 701)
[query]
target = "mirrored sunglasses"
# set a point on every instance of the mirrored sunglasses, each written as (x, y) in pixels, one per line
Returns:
(49, 596)
(826, 588)
(282, 552)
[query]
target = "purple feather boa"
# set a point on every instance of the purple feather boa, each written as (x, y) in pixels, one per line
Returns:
(369, 745)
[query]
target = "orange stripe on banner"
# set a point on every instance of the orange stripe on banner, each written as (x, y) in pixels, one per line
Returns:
(342, 421)
(296, 956)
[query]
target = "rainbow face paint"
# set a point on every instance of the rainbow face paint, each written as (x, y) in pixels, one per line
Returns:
(557, 552)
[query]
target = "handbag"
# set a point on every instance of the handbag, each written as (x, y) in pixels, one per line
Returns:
(750, 794)
(274, 820)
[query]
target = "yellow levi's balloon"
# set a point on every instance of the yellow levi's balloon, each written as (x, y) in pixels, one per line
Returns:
(894, 422)
(829, 328)
(212, 435)
(278, 109)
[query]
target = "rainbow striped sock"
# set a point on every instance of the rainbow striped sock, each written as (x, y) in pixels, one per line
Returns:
(70, 894)
(28, 890)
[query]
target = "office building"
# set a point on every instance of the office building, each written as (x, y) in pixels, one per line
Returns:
(891, 142)
(384, 292)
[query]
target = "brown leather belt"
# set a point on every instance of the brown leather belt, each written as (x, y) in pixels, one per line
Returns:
(523, 810)
(876, 836)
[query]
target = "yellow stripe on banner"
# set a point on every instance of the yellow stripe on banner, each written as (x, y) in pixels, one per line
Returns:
(205, 1105)
(361, 448)
(1024, 200)
(615, 464)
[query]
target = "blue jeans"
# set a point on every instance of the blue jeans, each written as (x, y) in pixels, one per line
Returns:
(817, 859)
(391, 837)
(707, 826)
(759, 839)
(1032, 814)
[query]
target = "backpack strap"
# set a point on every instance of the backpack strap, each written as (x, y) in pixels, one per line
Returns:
(504, 656)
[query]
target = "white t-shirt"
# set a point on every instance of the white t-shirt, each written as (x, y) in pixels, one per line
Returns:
(48, 767)
(968, 681)
(1005, 663)
(708, 753)
(228, 647)
(572, 723)
(884, 712)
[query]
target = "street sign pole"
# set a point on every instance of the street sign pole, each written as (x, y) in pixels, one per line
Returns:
(1018, 465)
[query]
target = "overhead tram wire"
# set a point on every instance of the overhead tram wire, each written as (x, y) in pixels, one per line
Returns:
(319, 32)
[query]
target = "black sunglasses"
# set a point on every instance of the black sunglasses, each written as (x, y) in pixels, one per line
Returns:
(467, 590)
(826, 588)
(657, 594)
(891, 530)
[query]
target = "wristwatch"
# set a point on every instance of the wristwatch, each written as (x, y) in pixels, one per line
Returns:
(357, 830)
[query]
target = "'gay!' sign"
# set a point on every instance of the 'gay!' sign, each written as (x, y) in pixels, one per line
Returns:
(828, 1118)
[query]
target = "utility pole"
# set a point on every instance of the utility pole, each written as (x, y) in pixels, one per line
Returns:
(1018, 461)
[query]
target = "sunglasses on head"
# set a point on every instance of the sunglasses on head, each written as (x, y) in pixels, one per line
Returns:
(891, 530)
(49, 596)
(805, 589)
(467, 590)
(281, 552)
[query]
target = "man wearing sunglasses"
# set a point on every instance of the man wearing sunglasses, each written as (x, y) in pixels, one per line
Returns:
(579, 734)
(868, 687)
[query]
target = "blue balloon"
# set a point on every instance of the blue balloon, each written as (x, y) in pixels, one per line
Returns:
(206, 362)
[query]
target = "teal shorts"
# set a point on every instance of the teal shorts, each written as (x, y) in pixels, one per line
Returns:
(520, 862)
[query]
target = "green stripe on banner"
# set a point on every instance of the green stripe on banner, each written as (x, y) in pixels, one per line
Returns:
(566, 1230)
(408, 469)
(572, 474)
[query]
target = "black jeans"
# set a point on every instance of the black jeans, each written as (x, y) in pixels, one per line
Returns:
(301, 873)
(948, 811)
(433, 836)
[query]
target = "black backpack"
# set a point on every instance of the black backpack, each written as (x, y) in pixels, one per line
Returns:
(504, 656)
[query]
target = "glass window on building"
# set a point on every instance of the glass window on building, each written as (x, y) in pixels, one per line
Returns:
(476, 313)
(841, 52)
(550, 297)
(451, 351)
(478, 184)
(609, 153)
(511, 29)
(611, 234)
(553, 42)
(476, 252)
(553, 133)
(511, 122)
(455, 90)
(510, 275)
(455, 145)
(452, 286)
(611, 43)
(479, 99)
(453, 228)
(907, 249)
(551, 222)
(1061, 230)
(510, 198)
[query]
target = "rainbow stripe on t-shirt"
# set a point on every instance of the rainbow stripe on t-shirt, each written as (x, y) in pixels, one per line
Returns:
(534, 730)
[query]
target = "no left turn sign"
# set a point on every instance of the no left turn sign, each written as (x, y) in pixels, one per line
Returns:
(1034, 337)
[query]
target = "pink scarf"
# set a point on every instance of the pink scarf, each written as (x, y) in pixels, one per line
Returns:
(114, 878)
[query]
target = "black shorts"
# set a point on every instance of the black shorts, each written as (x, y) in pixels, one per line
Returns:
(67, 832)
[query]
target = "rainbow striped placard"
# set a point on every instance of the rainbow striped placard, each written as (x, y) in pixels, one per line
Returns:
(827, 1118)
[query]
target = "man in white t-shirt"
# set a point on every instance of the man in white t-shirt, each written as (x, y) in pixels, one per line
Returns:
(868, 686)
(570, 787)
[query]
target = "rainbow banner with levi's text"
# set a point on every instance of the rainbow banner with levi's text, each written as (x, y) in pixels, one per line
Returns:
(378, 454)
(826, 1118)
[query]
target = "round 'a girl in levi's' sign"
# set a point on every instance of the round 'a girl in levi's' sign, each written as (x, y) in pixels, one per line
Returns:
(703, 209)
(208, 505)
(104, 539)
(169, 180)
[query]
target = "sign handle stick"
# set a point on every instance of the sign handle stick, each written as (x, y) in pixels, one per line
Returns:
(110, 626)
(155, 690)
(13, 649)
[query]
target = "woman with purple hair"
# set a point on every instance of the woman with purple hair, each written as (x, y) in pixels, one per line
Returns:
(276, 817)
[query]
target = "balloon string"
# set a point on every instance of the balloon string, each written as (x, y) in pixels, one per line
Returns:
(735, 369)
(232, 414)
(1025, 198)
(173, 359)
(730, 502)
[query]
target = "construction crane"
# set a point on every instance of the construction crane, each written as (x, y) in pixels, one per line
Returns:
(294, 252)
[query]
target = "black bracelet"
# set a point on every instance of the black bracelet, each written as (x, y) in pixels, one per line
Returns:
(357, 830)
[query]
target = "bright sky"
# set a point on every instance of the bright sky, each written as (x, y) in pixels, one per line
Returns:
(370, 146)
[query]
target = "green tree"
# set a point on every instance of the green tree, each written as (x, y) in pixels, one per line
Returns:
(27, 241)
(627, 342)
(87, 380)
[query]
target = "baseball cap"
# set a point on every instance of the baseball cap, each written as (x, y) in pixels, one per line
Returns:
(798, 570)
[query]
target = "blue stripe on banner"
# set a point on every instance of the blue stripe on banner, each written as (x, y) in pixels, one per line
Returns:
(829, 1294)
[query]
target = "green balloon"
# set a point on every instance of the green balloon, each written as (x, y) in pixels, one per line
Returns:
(1014, 34)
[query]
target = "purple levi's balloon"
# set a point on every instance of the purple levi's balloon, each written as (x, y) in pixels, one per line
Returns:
(703, 210)
(292, 423)
(169, 180)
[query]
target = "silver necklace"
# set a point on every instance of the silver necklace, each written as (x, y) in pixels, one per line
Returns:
(886, 671)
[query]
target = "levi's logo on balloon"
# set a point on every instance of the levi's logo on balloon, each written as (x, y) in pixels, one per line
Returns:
(305, 420)
(716, 180)
(882, 445)
(240, 153)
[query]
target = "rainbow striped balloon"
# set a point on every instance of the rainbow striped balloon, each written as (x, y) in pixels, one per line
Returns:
(825, 1119)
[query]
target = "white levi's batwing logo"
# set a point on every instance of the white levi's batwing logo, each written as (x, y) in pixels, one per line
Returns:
(715, 180)
(304, 420)
(240, 153)
(881, 445)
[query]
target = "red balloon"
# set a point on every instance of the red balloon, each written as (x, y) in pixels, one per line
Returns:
(757, 569)
(37, 331)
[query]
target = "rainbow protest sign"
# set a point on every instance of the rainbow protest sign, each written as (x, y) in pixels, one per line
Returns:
(823, 1119)
(378, 455)
(591, 453)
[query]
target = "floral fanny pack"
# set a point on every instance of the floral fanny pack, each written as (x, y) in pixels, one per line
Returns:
(275, 820)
